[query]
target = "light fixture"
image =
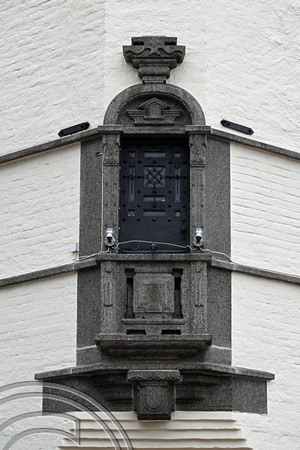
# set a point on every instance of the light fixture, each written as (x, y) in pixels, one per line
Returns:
(74, 129)
(236, 126)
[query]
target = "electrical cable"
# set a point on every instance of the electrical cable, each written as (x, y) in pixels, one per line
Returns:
(82, 258)
(152, 242)
(102, 198)
(214, 251)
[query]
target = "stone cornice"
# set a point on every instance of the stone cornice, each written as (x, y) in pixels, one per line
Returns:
(92, 262)
(108, 129)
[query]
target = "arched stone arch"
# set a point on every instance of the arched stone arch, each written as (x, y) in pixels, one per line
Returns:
(177, 108)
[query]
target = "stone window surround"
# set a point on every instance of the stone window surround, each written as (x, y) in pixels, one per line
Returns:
(210, 210)
(207, 170)
(244, 390)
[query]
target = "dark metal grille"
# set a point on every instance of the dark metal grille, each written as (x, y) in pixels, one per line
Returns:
(154, 196)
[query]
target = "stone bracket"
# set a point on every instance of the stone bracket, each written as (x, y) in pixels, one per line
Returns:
(154, 56)
(154, 393)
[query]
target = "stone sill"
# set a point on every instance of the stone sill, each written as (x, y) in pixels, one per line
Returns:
(149, 345)
(172, 322)
(198, 255)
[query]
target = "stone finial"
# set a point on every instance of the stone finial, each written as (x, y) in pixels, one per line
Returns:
(154, 57)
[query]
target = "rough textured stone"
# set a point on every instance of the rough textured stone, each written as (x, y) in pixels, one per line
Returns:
(154, 57)
(176, 98)
(217, 197)
(154, 393)
(157, 309)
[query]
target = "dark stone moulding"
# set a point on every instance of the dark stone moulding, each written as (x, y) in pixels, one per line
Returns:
(209, 368)
(104, 129)
(46, 273)
(92, 262)
(154, 392)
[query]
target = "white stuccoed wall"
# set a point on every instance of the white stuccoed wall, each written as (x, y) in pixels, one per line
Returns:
(39, 329)
(266, 334)
(37, 333)
(265, 313)
(39, 206)
(51, 68)
(265, 217)
(62, 63)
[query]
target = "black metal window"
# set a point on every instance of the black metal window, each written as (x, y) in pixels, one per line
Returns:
(154, 196)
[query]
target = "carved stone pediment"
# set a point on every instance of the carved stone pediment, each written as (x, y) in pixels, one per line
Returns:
(154, 56)
(154, 112)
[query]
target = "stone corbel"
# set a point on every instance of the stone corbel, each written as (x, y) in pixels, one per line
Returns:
(154, 393)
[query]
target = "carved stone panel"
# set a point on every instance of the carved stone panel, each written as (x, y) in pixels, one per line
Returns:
(153, 295)
(154, 112)
(154, 392)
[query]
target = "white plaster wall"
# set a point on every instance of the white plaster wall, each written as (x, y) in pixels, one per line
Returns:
(39, 206)
(266, 335)
(62, 63)
(265, 216)
(253, 67)
(51, 68)
(186, 430)
(37, 333)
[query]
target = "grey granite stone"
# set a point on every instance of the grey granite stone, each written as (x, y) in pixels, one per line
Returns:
(175, 97)
(219, 307)
(153, 375)
(88, 308)
(90, 197)
(161, 323)
(264, 273)
(116, 366)
(217, 197)
(214, 388)
(51, 272)
(249, 395)
(103, 129)
(154, 57)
